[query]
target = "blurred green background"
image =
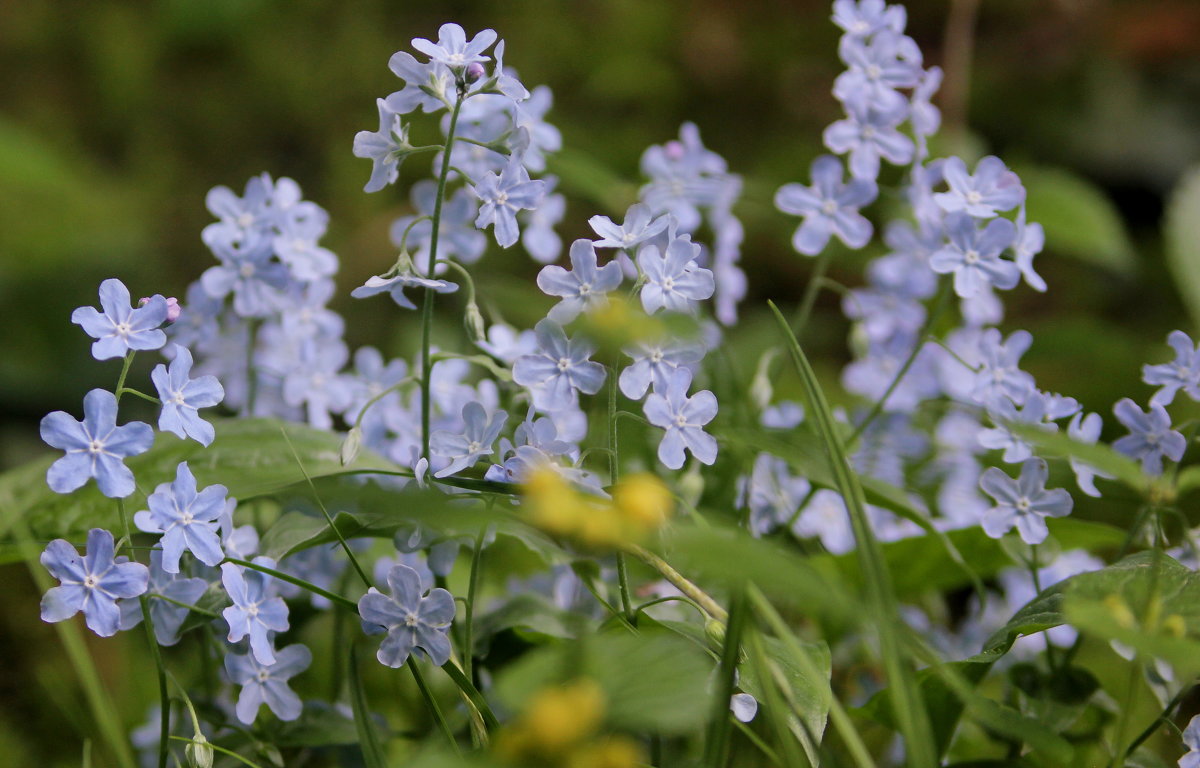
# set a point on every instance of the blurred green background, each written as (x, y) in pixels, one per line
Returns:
(117, 117)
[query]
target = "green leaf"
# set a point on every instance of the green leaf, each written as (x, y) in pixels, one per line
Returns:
(1099, 456)
(368, 737)
(653, 681)
(1080, 221)
(1181, 233)
(810, 696)
(528, 614)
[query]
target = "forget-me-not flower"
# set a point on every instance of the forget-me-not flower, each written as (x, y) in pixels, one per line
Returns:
(585, 287)
(1191, 739)
(168, 616)
(875, 70)
(653, 363)
(868, 134)
(413, 620)
(538, 235)
(863, 18)
(1150, 435)
(998, 376)
(638, 227)
(973, 255)
(1031, 238)
(121, 328)
(477, 439)
(828, 207)
(673, 279)
(91, 583)
(560, 366)
(395, 285)
(182, 395)
(453, 49)
(991, 189)
(250, 274)
(187, 519)
(771, 493)
(502, 196)
(385, 148)
(94, 446)
(1181, 373)
(267, 683)
(1086, 429)
(683, 418)
(1024, 502)
(254, 612)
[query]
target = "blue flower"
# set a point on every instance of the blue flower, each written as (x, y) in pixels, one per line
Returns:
(973, 255)
(1023, 502)
(560, 367)
(385, 148)
(396, 284)
(538, 235)
(254, 612)
(828, 207)
(585, 287)
(1151, 437)
(673, 279)
(1182, 373)
(412, 619)
(248, 272)
(91, 584)
(683, 419)
(654, 363)
(998, 376)
(316, 384)
(181, 397)
(426, 86)
(924, 117)
(267, 683)
(1031, 238)
(1086, 429)
(168, 616)
(94, 446)
(295, 244)
(1191, 739)
(502, 196)
(122, 328)
(1003, 413)
(465, 449)
(876, 69)
(452, 48)
(457, 236)
(771, 493)
(863, 18)
(868, 134)
(638, 227)
(991, 189)
(186, 519)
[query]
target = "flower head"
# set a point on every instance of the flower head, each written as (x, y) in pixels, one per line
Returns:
(638, 227)
(91, 584)
(1024, 502)
(168, 615)
(121, 328)
(584, 287)
(973, 255)
(560, 367)
(267, 683)
(453, 49)
(673, 279)
(476, 441)
(1150, 435)
(396, 284)
(413, 620)
(181, 396)
(828, 207)
(992, 188)
(187, 519)
(94, 446)
(254, 612)
(502, 196)
(683, 418)
(1181, 373)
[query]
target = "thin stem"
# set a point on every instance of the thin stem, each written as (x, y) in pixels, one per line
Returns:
(809, 300)
(614, 469)
(222, 750)
(404, 239)
(124, 373)
(251, 378)
(699, 596)
(1163, 717)
(433, 705)
(344, 602)
(716, 746)
(182, 604)
(136, 393)
(469, 610)
(427, 306)
(394, 388)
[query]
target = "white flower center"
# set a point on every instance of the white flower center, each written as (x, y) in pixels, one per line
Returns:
(829, 207)
(246, 220)
(502, 198)
(971, 256)
(123, 328)
(860, 27)
(868, 132)
(299, 244)
(1023, 505)
(974, 198)
(90, 581)
(874, 72)
(680, 421)
(473, 446)
(656, 356)
(246, 270)
(263, 675)
(177, 398)
(585, 289)
(564, 363)
(668, 283)
(410, 619)
(95, 446)
(628, 237)
(252, 610)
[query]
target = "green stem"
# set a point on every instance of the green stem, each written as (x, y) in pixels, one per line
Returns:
(394, 388)
(469, 611)
(614, 469)
(182, 604)
(697, 595)
(716, 746)
(1163, 717)
(251, 377)
(809, 300)
(344, 602)
(404, 240)
(124, 373)
(143, 395)
(427, 306)
(472, 693)
(222, 750)
(433, 705)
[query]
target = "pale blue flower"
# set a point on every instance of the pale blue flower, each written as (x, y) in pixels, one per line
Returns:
(825, 518)
(924, 117)
(506, 344)
(638, 227)
(94, 446)
(254, 612)
(560, 367)
(121, 328)
(187, 519)
(771, 493)
(1086, 429)
(92, 583)
(683, 418)
(786, 414)
(863, 18)
(1024, 502)
(1181, 373)
(868, 134)
(529, 115)
(249, 217)
(182, 395)
(1151, 437)
(457, 236)
(1004, 413)
(585, 287)
(395, 285)
(502, 196)
(991, 189)
(875, 70)
(828, 207)
(413, 620)
(295, 244)
(998, 376)
(429, 86)
(973, 255)
(654, 363)
(384, 148)
(168, 616)
(453, 49)
(1191, 739)
(267, 683)
(317, 384)
(673, 279)
(685, 177)
(538, 235)
(250, 274)
(465, 449)
(1031, 238)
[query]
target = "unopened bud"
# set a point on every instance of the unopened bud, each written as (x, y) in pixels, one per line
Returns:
(674, 150)
(198, 752)
(351, 446)
(476, 328)
(173, 308)
(761, 391)
(691, 485)
(474, 72)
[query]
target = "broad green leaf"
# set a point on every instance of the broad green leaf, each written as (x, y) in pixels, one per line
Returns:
(653, 681)
(1181, 232)
(810, 696)
(1099, 456)
(1079, 219)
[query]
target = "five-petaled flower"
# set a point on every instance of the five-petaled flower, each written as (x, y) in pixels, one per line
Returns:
(187, 519)
(182, 395)
(828, 207)
(502, 196)
(412, 619)
(973, 255)
(991, 189)
(560, 367)
(683, 418)
(673, 279)
(477, 440)
(94, 446)
(267, 683)
(121, 328)
(585, 287)
(254, 612)
(91, 583)
(1024, 502)
(1150, 435)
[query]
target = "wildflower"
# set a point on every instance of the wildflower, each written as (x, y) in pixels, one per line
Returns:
(771, 493)
(1191, 739)
(863, 18)
(585, 287)
(638, 227)
(249, 273)
(414, 621)
(1024, 502)
(973, 255)
(168, 615)
(267, 683)
(998, 376)
(502, 196)
(991, 189)
(91, 583)
(868, 134)
(464, 450)
(452, 48)
(673, 279)
(683, 418)
(828, 207)
(1150, 435)
(186, 519)
(386, 148)
(182, 396)
(457, 236)
(1086, 429)
(1031, 238)
(653, 363)
(1181, 373)
(538, 236)
(560, 367)
(94, 446)
(254, 613)
(875, 70)
(121, 328)
(396, 284)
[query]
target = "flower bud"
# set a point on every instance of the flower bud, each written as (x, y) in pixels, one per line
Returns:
(198, 752)
(351, 446)
(474, 72)
(173, 308)
(476, 328)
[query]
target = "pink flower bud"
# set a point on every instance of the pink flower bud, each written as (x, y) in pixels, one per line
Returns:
(674, 150)
(474, 71)
(173, 308)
